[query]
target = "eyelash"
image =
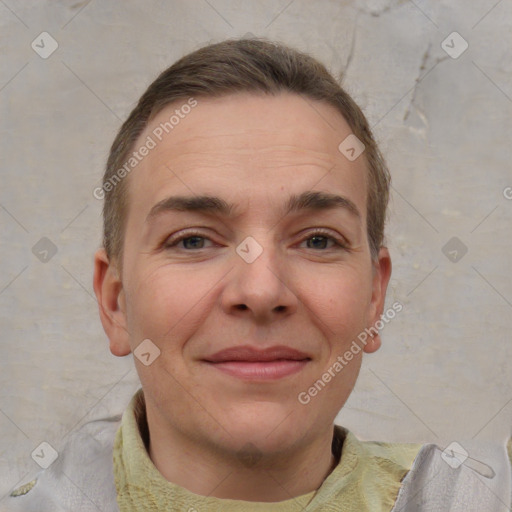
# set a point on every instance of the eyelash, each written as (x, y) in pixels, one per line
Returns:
(170, 243)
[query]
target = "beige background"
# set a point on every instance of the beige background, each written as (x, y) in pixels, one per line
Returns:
(444, 124)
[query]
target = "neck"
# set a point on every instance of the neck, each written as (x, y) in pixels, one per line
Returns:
(260, 477)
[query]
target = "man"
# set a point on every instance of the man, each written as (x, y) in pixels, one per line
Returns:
(244, 266)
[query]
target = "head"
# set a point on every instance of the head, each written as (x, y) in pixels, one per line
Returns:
(272, 237)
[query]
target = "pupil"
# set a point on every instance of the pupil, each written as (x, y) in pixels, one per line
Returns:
(196, 238)
(322, 239)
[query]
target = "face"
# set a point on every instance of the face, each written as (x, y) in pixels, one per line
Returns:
(202, 281)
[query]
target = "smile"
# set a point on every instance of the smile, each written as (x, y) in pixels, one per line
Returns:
(249, 363)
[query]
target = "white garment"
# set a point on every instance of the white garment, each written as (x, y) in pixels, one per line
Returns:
(482, 483)
(81, 479)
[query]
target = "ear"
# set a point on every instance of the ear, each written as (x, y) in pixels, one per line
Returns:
(112, 308)
(381, 276)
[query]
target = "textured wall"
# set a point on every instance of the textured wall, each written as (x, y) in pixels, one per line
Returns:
(443, 117)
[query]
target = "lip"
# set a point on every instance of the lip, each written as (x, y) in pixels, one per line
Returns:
(251, 363)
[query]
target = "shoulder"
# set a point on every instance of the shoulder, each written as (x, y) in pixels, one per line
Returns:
(397, 454)
(470, 475)
(369, 473)
(417, 477)
(81, 477)
(396, 457)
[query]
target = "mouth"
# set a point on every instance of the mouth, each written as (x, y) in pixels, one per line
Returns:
(249, 363)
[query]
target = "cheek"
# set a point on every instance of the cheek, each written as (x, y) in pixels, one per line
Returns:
(165, 305)
(340, 299)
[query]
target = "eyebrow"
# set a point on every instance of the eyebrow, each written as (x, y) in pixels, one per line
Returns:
(310, 200)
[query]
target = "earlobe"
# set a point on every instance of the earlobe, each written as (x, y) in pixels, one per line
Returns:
(373, 344)
(110, 296)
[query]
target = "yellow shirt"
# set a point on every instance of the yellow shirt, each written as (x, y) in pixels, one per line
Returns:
(367, 477)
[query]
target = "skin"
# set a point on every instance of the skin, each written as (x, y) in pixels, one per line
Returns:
(200, 296)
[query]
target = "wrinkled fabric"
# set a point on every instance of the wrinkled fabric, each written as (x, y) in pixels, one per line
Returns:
(80, 480)
(439, 482)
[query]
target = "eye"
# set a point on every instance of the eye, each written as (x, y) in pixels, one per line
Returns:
(320, 238)
(190, 239)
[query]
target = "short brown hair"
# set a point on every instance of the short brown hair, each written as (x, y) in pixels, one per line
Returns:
(231, 66)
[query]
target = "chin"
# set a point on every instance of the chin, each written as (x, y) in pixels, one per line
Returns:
(268, 426)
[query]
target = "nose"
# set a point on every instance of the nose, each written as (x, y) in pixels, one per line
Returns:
(261, 287)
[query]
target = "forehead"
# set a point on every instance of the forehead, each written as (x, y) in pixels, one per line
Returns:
(254, 143)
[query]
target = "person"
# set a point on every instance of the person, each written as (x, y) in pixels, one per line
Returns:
(244, 266)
